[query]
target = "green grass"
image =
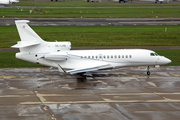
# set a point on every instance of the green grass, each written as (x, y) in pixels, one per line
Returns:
(92, 12)
(88, 36)
(7, 59)
(90, 4)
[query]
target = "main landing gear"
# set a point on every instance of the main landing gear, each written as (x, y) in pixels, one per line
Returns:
(148, 72)
(85, 76)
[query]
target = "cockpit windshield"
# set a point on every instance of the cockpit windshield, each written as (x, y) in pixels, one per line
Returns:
(154, 54)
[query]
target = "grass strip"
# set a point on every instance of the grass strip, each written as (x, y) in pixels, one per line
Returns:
(92, 36)
(95, 4)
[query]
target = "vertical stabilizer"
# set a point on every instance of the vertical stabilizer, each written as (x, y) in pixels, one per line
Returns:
(27, 35)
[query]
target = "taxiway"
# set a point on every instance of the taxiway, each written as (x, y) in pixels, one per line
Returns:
(94, 21)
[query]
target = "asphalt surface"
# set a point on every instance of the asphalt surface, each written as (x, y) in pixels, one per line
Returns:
(93, 21)
(118, 94)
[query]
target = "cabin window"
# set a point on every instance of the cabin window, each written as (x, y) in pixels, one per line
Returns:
(92, 57)
(96, 57)
(111, 56)
(108, 56)
(130, 56)
(119, 56)
(100, 57)
(122, 56)
(115, 56)
(104, 57)
(126, 56)
(85, 57)
(81, 57)
(89, 57)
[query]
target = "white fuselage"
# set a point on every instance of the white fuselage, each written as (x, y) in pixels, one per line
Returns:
(116, 58)
(58, 54)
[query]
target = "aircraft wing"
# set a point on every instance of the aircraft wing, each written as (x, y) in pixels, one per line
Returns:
(87, 69)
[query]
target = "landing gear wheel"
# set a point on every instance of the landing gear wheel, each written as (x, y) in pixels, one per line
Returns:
(148, 73)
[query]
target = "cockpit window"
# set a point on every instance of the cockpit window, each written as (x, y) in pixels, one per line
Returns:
(153, 54)
(156, 54)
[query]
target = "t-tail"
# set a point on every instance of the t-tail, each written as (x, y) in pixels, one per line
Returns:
(34, 49)
(31, 42)
(28, 37)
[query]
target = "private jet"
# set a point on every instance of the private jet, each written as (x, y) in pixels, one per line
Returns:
(59, 54)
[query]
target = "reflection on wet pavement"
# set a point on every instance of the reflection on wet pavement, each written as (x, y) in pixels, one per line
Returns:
(118, 94)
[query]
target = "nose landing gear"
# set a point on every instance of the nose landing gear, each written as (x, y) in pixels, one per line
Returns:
(148, 72)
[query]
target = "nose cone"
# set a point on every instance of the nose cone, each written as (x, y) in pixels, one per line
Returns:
(165, 60)
(168, 60)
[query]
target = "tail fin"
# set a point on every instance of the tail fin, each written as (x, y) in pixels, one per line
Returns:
(27, 35)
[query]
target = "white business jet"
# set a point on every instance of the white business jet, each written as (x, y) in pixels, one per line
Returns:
(58, 54)
(6, 2)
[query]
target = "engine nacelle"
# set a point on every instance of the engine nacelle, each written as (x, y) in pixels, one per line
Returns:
(56, 56)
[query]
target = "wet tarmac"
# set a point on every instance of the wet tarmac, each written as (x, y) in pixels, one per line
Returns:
(118, 94)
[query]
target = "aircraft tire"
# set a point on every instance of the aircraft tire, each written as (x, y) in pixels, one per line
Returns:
(148, 73)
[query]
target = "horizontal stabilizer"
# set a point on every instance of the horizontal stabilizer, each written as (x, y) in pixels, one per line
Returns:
(22, 44)
(81, 70)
